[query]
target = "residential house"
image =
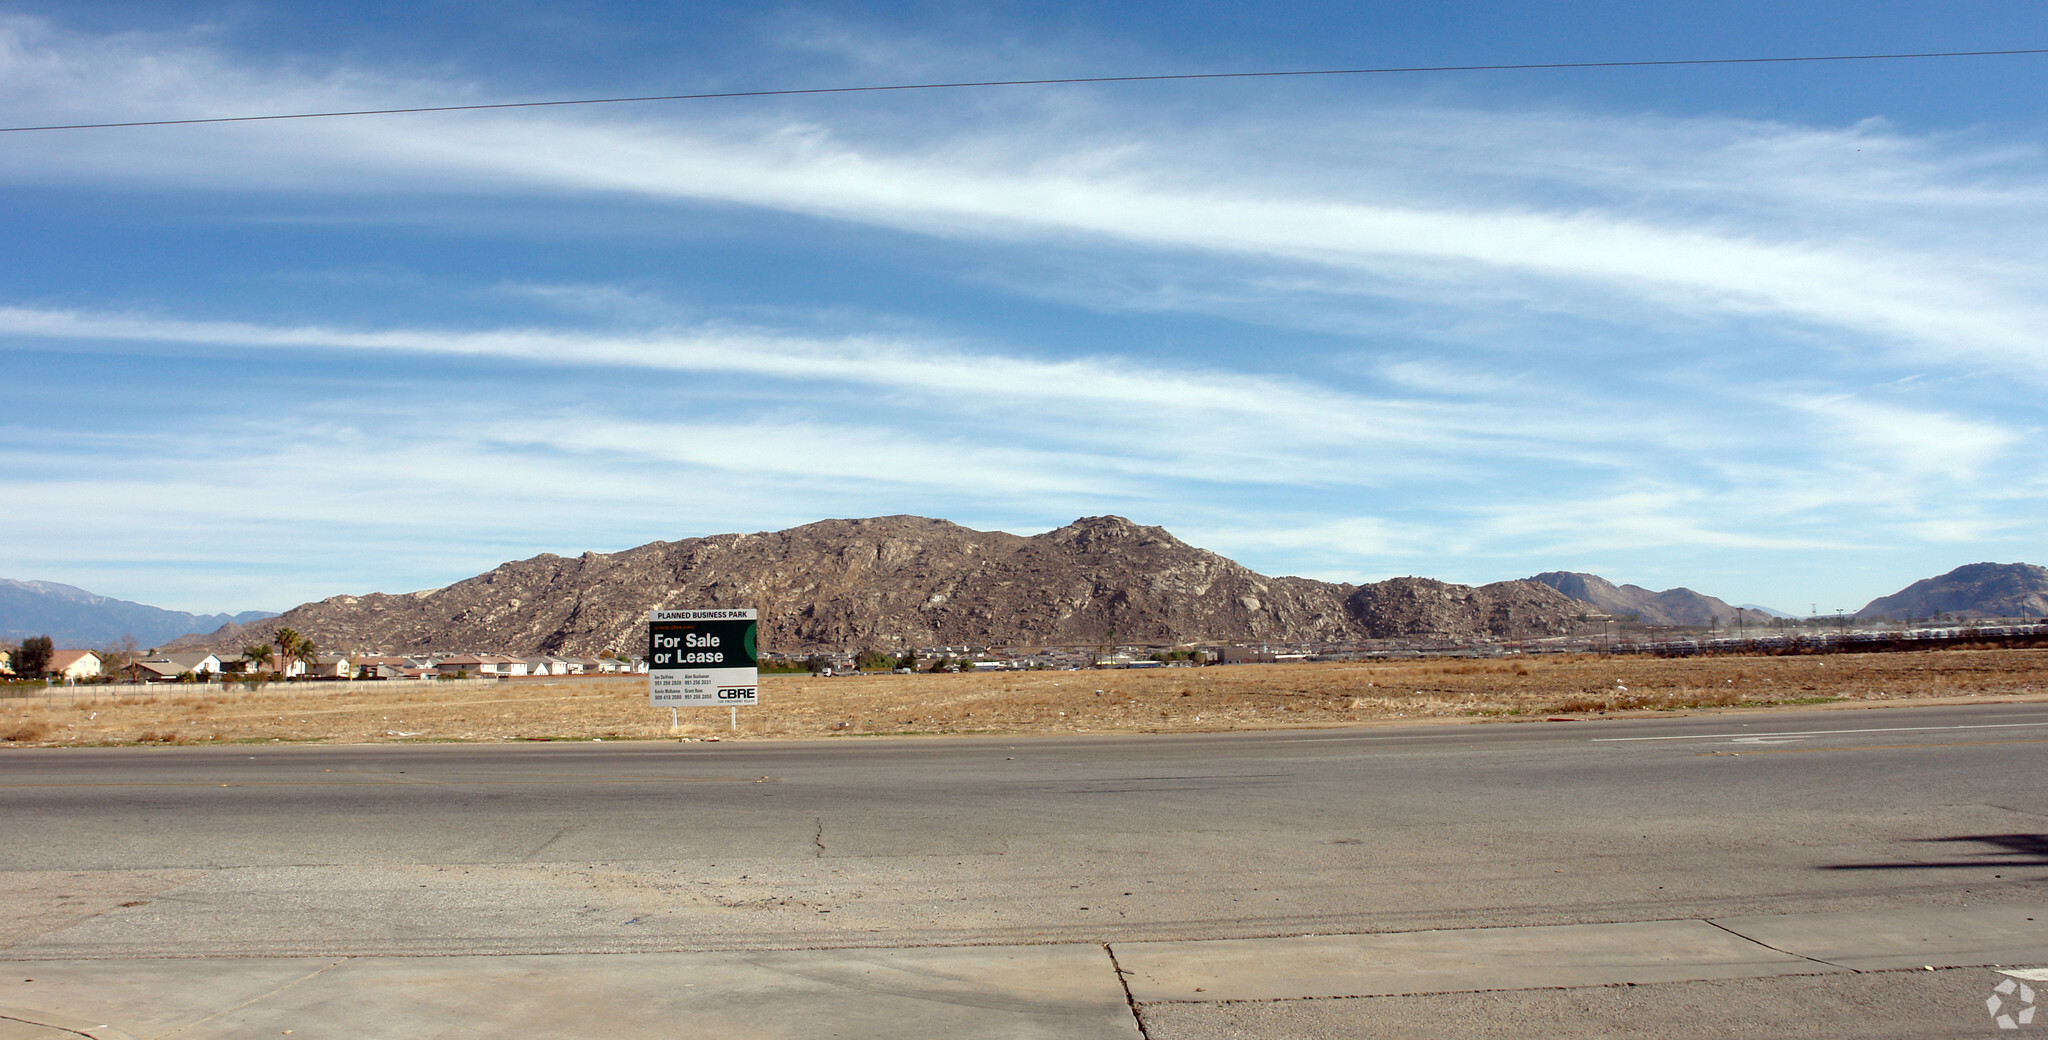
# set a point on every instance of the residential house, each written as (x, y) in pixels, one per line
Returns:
(461, 665)
(73, 665)
(327, 666)
(198, 662)
(150, 672)
(239, 665)
(388, 666)
(503, 666)
(170, 667)
(480, 666)
(382, 666)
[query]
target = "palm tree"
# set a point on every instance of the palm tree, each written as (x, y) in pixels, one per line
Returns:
(287, 641)
(258, 655)
(307, 653)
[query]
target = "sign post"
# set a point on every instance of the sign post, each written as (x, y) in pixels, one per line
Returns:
(699, 657)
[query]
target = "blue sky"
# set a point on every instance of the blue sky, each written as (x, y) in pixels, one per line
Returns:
(1773, 332)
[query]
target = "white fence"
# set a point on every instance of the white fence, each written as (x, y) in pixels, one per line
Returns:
(72, 694)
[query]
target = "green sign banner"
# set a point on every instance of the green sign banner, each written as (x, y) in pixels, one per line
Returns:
(702, 657)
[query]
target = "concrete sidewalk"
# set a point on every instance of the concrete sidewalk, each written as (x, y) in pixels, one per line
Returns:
(1016, 991)
(1066, 991)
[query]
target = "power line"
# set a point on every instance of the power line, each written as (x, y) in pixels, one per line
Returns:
(1025, 83)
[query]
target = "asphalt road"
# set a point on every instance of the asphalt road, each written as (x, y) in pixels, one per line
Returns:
(645, 847)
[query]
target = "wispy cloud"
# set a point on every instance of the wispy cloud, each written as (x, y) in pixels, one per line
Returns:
(1915, 441)
(1709, 217)
(1477, 332)
(1081, 424)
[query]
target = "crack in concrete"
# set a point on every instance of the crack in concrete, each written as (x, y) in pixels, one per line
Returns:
(2011, 809)
(543, 846)
(63, 1024)
(1774, 949)
(818, 839)
(265, 996)
(1123, 979)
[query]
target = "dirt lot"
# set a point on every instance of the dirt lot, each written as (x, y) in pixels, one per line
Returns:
(1169, 700)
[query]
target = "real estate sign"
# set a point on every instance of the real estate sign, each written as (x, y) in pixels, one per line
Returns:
(702, 657)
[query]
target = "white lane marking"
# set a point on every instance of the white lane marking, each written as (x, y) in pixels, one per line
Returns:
(1778, 738)
(1828, 732)
(2029, 974)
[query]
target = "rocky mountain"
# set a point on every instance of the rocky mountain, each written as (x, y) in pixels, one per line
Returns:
(907, 581)
(1974, 590)
(1670, 607)
(1423, 606)
(73, 617)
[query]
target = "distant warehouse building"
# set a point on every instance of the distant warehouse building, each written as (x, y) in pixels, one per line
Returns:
(1245, 655)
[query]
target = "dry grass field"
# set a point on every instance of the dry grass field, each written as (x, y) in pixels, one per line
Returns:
(1170, 700)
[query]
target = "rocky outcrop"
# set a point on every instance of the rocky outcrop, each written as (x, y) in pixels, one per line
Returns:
(899, 581)
(1401, 607)
(1976, 590)
(1679, 606)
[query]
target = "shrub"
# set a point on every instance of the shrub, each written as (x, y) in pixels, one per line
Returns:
(26, 731)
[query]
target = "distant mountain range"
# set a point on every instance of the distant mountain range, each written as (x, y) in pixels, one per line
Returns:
(75, 618)
(1669, 607)
(907, 581)
(1971, 591)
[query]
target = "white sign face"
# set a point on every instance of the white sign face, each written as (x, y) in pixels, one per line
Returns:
(702, 657)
